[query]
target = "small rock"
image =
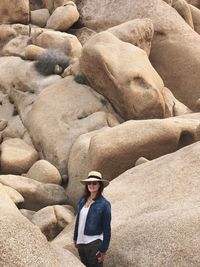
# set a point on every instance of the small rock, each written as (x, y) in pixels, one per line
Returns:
(44, 172)
(141, 160)
(63, 17)
(39, 17)
(17, 157)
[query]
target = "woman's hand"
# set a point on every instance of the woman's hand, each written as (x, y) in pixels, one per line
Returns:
(100, 256)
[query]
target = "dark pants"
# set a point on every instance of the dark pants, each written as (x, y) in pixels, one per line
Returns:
(87, 253)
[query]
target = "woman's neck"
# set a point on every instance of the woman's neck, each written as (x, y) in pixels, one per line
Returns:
(93, 195)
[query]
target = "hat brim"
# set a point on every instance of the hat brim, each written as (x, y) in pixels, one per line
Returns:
(85, 181)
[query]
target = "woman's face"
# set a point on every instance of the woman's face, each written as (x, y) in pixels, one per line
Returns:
(93, 186)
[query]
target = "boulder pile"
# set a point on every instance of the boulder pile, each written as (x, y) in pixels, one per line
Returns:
(105, 85)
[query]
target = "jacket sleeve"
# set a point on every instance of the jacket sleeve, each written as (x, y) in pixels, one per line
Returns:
(106, 227)
(76, 222)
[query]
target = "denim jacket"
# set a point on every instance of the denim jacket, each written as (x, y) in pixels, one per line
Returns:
(98, 220)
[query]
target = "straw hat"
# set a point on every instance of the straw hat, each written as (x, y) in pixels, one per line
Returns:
(95, 176)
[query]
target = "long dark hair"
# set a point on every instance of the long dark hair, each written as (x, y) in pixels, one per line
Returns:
(86, 193)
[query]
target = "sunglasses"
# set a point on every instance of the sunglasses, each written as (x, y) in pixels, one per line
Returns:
(93, 183)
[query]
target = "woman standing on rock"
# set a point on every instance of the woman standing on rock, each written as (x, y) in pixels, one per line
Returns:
(93, 223)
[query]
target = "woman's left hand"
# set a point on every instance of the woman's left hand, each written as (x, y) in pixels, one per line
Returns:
(101, 257)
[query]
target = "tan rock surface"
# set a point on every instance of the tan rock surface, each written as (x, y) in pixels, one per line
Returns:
(117, 151)
(14, 11)
(194, 3)
(183, 9)
(9, 32)
(20, 75)
(20, 80)
(66, 258)
(52, 220)
(21, 246)
(65, 239)
(27, 213)
(16, 197)
(171, 47)
(6, 110)
(196, 18)
(36, 4)
(44, 172)
(36, 195)
(15, 129)
(16, 46)
(67, 43)
(83, 34)
(122, 73)
(39, 17)
(63, 17)
(60, 114)
(158, 214)
(173, 107)
(32, 52)
(17, 156)
(3, 124)
(114, 150)
(138, 32)
(49, 4)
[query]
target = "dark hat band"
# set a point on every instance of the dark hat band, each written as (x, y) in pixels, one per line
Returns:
(93, 176)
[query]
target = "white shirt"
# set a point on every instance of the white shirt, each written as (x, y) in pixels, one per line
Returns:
(85, 239)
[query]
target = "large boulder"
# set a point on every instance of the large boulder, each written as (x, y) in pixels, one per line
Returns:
(21, 246)
(138, 32)
(36, 195)
(156, 207)
(14, 11)
(174, 44)
(122, 73)
(114, 150)
(60, 114)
